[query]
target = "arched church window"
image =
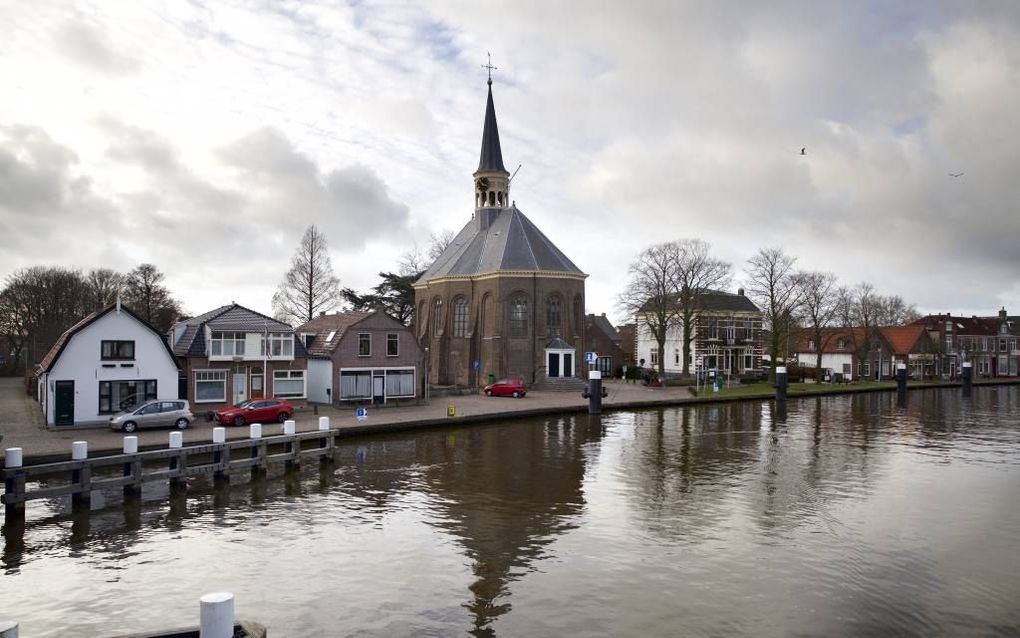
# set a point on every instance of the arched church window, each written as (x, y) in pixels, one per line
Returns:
(552, 315)
(492, 198)
(499, 198)
(519, 316)
(437, 316)
(460, 317)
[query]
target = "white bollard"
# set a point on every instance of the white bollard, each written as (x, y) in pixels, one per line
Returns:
(130, 445)
(217, 615)
(289, 426)
(79, 450)
(323, 423)
(176, 440)
(219, 435)
(256, 431)
(8, 628)
(13, 457)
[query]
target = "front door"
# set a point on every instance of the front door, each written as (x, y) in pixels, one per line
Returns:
(568, 365)
(256, 386)
(554, 365)
(240, 388)
(378, 389)
(63, 403)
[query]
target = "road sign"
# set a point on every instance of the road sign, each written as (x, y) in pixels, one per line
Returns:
(477, 364)
(591, 357)
(361, 414)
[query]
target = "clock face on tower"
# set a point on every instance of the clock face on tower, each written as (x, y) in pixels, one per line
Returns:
(482, 183)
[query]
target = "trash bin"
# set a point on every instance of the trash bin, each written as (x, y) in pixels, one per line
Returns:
(492, 379)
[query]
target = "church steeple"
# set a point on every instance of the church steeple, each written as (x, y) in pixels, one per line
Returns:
(491, 179)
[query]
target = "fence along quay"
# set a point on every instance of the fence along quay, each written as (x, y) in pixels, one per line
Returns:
(256, 453)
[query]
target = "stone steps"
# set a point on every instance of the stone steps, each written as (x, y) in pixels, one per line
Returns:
(568, 384)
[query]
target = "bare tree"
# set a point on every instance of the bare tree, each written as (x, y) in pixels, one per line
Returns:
(860, 308)
(650, 294)
(819, 309)
(417, 260)
(893, 311)
(696, 273)
(772, 285)
(438, 242)
(103, 286)
(145, 293)
(310, 286)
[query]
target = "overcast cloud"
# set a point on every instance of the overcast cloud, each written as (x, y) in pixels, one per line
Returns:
(204, 137)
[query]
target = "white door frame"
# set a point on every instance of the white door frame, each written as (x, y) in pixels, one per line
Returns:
(240, 387)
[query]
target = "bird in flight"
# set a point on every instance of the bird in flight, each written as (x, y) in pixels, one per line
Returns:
(803, 151)
(955, 174)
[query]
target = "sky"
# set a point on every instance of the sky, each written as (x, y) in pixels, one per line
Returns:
(204, 137)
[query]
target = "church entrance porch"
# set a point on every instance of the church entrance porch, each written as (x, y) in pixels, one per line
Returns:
(559, 359)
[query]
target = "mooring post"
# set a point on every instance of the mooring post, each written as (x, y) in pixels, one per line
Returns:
(326, 442)
(8, 628)
(255, 433)
(290, 429)
(82, 476)
(178, 461)
(133, 467)
(221, 456)
(14, 486)
(217, 615)
(781, 383)
(901, 377)
(968, 374)
(594, 392)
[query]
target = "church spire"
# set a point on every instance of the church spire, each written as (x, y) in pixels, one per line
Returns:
(492, 156)
(491, 179)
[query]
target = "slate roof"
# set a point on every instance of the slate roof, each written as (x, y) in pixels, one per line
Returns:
(51, 357)
(602, 323)
(558, 344)
(232, 317)
(322, 326)
(499, 239)
(961, 325)
(491, 157)
(721, 301)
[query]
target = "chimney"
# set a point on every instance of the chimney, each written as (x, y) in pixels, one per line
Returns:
(1002, 313)
(603, 315)
(322, 313)
(740, 291)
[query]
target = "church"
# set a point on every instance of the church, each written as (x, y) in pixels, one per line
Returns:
(502, 300)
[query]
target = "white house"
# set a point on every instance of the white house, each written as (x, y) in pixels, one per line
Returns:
(108, 361)
(836, 347)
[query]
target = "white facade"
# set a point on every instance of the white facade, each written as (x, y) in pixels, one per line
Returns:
(648, 348)
(149, 368)
(836, 361)
(320, 380)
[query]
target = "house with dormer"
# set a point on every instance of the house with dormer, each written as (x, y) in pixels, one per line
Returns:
(232, 354)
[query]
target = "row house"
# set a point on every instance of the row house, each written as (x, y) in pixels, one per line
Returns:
(728, 337)
(857, 353)
(233, 354)
(990, 344)
(837, 347)
(607, 342)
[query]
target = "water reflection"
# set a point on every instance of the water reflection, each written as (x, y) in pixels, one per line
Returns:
(716, 517)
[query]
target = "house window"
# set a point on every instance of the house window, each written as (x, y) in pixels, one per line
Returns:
(117, 396)
(460, 317)
(748, 362)
(364, 344)
(437, 317)
(399, 383)
(655, 357)
(552, 315)
(210, 386)
(519, 316)
(811, 344)
(355, 385)
(841, 344)
(226, 344)
(117, 350)
(1002, 345)
(392, 344)
(281, 344)
(289, 384)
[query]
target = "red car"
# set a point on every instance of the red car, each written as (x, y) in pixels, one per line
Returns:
(256, 411)
(509, 387)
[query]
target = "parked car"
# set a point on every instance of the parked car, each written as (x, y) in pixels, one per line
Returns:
(154, 414)
(509, 387)
(255, 411)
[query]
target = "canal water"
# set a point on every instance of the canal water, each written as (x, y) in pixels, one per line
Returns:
(838, 516)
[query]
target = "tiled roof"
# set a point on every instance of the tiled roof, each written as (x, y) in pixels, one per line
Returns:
(720, 301)
(902, 338)
(830, 340)
(495, 240)
(979, 326)
(230, 317)
(325, 324)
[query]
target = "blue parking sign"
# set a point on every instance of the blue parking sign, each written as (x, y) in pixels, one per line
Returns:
(361, 414)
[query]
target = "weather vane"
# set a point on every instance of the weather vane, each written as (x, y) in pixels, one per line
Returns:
(490, 67)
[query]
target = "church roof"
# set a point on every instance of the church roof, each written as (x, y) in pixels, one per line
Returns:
(508, 241)
(491, 158)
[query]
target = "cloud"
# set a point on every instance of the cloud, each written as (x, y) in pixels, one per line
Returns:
(89, 46)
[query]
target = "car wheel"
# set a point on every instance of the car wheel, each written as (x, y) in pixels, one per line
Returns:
(182, 424)
(283, 417)
(238, 420)
(516, 394)
(130, 426)
(488, 393)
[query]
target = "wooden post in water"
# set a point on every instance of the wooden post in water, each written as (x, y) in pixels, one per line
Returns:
(326, 442)
(221, 456)
(178, 462)
(14, 487)
(217, 615)
(780, 383)
(82, 476)
(293, 447)
(132, 468)
(901, 377)
(255, 432)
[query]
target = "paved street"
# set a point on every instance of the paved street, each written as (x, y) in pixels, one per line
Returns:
(22, 426)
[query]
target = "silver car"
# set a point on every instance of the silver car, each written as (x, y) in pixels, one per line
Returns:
(154, 414)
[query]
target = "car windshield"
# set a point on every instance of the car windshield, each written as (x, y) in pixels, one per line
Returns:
(244, 404)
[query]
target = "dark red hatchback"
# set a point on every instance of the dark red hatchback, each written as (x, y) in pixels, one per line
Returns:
(256, 411)
(509, 387)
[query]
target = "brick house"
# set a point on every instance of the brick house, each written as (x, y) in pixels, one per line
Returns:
(361, 356)
(628, 342)
(607, 342)
(232, 354)
(913, 346)
(988, 343)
